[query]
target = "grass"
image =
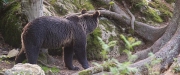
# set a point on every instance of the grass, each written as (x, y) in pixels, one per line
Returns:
(47, 69)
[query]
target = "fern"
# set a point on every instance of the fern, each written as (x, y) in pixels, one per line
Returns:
(120, 68)
(130, 43)
(106, 47)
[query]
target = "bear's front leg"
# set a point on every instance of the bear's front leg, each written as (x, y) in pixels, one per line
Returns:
(68, 57)
(80, 52)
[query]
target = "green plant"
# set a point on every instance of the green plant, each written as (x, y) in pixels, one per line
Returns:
(130, 42)
(119, 68)
(105, 47)
(47, 69)
(122, 68)
(153, 62)
(176, 68)
(141, 3)
(111, 3)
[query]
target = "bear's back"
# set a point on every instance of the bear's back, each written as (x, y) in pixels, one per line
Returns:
(53, 31)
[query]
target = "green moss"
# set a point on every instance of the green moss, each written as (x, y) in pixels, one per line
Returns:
(93, 46)
(170, 1)
(153, 15)
(105, 66)
(85, 72)
(10, 24)
(164, 10)
(83, 4)
(47, 69)
(58, 9)
(111, 38)
(106, 23)
(140, 3)
(99, 4)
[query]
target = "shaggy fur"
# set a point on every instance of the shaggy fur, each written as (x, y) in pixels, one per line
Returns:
(54, 32)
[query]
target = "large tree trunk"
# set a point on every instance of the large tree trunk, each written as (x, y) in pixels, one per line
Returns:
(32, 8)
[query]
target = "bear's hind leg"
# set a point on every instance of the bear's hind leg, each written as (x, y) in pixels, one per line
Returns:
(20, 57)
(68, 57)
(32, 53)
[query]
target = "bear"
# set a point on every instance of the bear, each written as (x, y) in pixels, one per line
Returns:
(49, 32)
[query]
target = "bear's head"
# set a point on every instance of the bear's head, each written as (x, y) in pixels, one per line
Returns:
(89, 21)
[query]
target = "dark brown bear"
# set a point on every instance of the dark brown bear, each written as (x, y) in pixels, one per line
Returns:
(54, 32)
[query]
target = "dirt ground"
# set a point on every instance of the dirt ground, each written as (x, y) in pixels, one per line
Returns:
(9, 63)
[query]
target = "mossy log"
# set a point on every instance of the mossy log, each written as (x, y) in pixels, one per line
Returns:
(97, 69)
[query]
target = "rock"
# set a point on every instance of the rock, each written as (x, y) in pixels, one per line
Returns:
(25, 69)
(4, 52)
(12, 53)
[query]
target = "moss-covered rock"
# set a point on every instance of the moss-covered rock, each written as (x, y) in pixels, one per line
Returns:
(170, 1)
(107, 32)
(10, 24)
(93, 46)
(63, 7)
(164, 10)
(154, 10)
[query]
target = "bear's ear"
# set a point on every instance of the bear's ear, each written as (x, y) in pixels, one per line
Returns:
(83, 11)
(96, 14)
(73, 18)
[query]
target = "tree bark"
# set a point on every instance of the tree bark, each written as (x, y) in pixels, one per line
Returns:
(32, 8)
(146, 31)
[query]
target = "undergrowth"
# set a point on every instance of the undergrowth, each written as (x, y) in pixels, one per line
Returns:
(152, 65)
(119, 68)
(47, 69)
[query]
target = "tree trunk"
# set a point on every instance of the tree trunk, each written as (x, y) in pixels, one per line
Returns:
(32, 8)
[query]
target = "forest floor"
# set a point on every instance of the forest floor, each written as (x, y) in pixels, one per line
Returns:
(9, 63)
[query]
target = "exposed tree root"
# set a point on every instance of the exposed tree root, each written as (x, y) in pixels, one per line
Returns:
(160, 42)
(166, 53)
(174, 68)
(132, 16)
(146, 31)
(116, 8)
(171, 29)
(169, 50)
